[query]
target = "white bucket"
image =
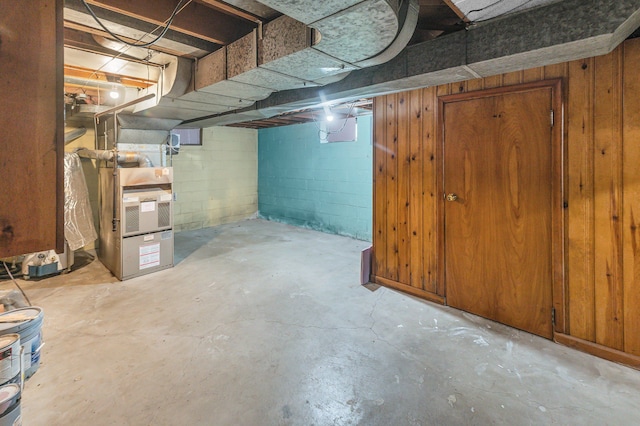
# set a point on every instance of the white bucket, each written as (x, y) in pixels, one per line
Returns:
(9, 358)
(10, 414)
(27, 322)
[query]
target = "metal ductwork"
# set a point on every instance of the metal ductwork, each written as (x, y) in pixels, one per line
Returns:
(173, 82)
(313, 44)
(74, 134)
(558, 32)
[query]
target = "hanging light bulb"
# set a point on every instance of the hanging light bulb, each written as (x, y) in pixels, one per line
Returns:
(113, 93)
(327, 113)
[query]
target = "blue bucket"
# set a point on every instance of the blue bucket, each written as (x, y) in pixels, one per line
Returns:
(9, 358)
(10, 413)
(27, 322)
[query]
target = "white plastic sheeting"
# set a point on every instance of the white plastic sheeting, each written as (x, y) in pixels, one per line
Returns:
(79, 229)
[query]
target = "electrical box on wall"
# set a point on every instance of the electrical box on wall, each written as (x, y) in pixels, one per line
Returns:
(339, 130)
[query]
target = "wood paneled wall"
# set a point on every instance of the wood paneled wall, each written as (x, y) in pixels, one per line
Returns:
(31, 126)
(404, 229)
(601, 118)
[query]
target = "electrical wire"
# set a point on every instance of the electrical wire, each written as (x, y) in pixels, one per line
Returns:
(129, 46)
(331, 132)
(513, 9)
(16, 283)
(490, 5)
(16, 271)
(169, 21)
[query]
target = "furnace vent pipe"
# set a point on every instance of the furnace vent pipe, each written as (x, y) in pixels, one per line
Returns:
(123, 157)
(74, 134)
(134, 157)
(123, 106)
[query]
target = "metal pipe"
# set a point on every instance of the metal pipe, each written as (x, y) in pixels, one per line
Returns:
(122, 157)
(114, 219)
(115, 129)
(74, 134)
(125, 105)
(105, 135)
(134, 157)
(95, 154)
(95, 133)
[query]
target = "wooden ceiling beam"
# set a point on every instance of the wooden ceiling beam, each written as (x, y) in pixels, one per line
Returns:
(194, 19)
(227, 8)
(89, 90)
(135, 28)
(456, 10)
(84, 41)
(90, 30)
(84, 73)
(341, 112)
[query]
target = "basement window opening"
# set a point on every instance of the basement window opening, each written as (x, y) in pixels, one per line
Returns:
(188, 136)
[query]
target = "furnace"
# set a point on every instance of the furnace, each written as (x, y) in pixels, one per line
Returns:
(136, 191)
(136, 220)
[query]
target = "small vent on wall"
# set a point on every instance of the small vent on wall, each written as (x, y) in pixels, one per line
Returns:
(188, 136)
(132, 216)
(164, 215)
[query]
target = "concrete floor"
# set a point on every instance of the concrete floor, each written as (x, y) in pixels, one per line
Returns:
(261, 323)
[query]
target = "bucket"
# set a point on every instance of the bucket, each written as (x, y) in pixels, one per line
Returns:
(27, 322)
(9, 358)
(10, 405)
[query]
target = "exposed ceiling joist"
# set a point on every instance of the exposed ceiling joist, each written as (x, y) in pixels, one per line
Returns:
(194, 19)
(83, 40)
(232, 10)
(96, 44)
(139, 30)
(456, 10)
(84, 73)
(435, 19)
(479, 11)
(340, 112)
(256, 8)
(90, 30)
(536, 32)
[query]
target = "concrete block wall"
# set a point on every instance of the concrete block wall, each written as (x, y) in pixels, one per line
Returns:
(327, 187)
(217, 182)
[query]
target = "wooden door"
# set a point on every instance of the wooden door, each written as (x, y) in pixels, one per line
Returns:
(498, 232)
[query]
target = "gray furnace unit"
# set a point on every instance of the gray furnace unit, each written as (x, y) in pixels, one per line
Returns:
(136, 190)
(136, 220)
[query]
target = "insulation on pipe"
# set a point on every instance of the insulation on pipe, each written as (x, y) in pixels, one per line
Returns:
(123, 157)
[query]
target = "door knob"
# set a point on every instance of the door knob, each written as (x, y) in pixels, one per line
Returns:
(451, 197)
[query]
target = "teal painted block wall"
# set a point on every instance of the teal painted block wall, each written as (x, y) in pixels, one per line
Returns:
(327, 187)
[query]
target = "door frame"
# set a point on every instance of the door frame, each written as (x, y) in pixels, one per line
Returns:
(558, 200)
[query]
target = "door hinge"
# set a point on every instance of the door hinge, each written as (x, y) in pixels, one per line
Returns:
(553, 316)
(552, 118)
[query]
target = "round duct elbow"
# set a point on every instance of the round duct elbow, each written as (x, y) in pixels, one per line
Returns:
(134, 157)
(358, 32)
(409, 11)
